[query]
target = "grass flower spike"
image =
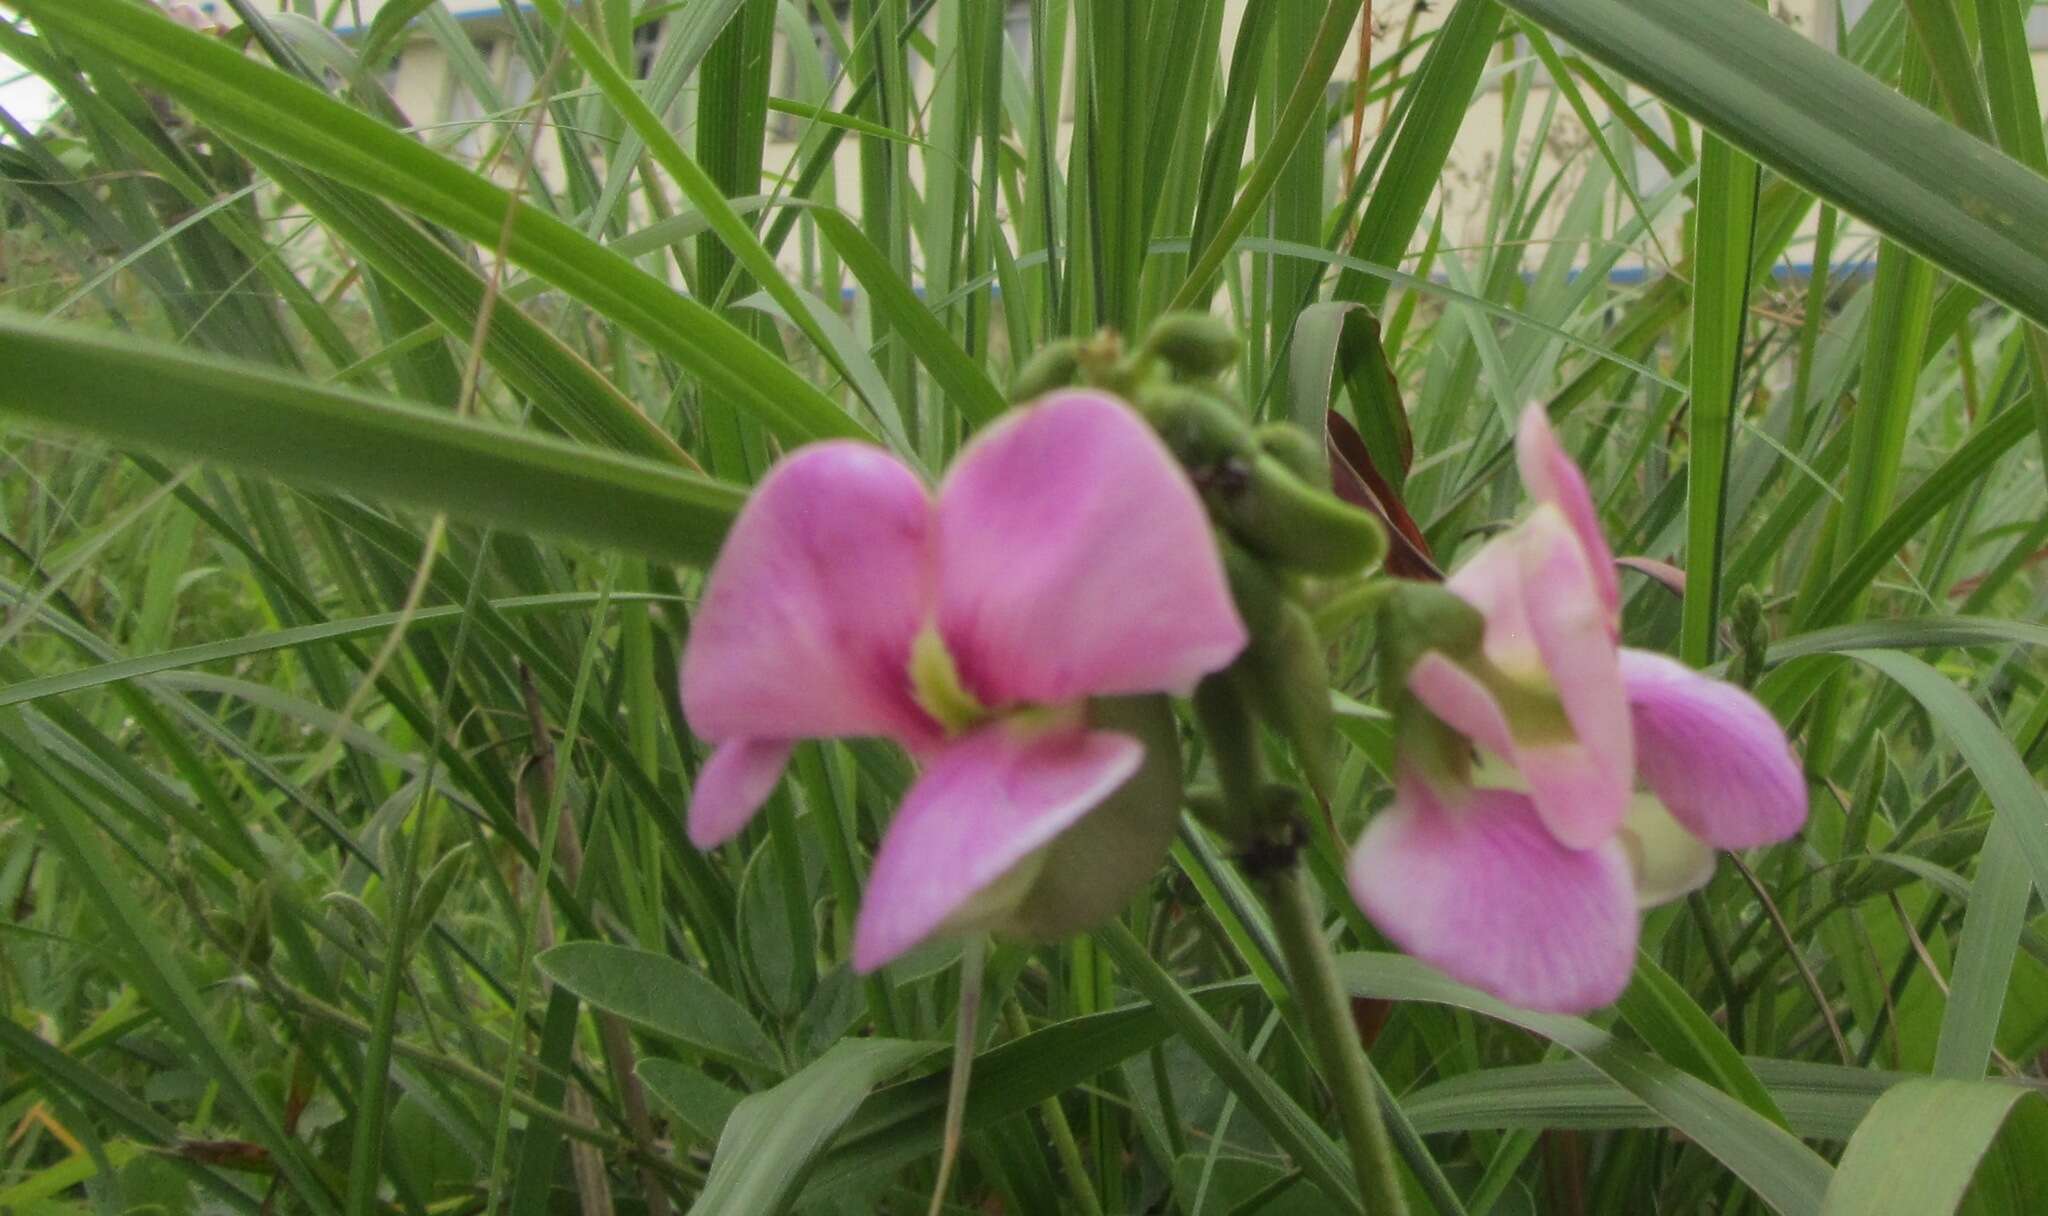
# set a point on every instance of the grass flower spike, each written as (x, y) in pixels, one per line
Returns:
(1065, 557)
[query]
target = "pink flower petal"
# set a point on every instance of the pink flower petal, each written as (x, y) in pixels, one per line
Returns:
(808, 617)
(1491, 581)
(732, 785)
(1470, 882)
(1581, 782)
(1462, 701)
(1546, 632)
(1712, 754)
(1075, 560)
(979, 816)
(1552, 478)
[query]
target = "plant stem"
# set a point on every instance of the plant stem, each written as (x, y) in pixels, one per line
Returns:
(1060, 1130)
(1327, 1014)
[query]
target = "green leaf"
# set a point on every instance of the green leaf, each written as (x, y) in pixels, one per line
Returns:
(1724, 228)
(2016, 846)
(1820, 1101)
(660, 994)
(967, 388)
(1441, 92)
(1303, 105)
(1916, 1151)
(1674, 1025)
(1290, 1126)
(1784, 1173)
(289, 639)
(699, 1103)
(296, 121)
(1818, 120)
(899, 1124)
(773, 1139)
(125, 391)
(1910, 634)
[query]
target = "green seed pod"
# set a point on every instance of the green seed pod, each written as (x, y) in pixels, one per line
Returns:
(1202, 431)
(1292, 524)
(1298, 450)
(1053, 366)
(1092, 869)
(1195, 344)
(1258, 593)
(1223, 709)
(1290, 682)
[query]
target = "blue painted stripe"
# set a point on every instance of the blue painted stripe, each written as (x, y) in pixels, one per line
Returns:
(484, 12)
(1620, 276)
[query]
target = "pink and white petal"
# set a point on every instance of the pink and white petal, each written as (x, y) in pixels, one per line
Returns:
(1470, 882)
(1464, 702)
(988, 804)
(732, 785)
(1712, 754)
(1582, 781)
(1668, 860)
(1552, 478)
(1491, 581)
(808, 616)
(1075, 560)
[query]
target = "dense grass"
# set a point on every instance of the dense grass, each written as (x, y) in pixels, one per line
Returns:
(357, 494)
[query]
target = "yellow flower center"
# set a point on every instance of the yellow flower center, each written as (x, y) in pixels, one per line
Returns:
(935, 683)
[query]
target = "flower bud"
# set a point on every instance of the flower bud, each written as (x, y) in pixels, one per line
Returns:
(1053, 366)
(1197, 345)
(1416, 618)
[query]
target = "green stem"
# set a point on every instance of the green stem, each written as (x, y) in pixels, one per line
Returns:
(1060, 1130)
(1327, 1013)
(973, 959)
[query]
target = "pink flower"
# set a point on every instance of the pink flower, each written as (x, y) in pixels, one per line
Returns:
(190, 17)
(1531, 893)
(1064, 557)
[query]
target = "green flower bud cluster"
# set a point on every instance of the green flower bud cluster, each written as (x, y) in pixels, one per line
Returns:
(1286, 540)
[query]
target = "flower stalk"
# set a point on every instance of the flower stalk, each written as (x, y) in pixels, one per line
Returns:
(1326, 1013)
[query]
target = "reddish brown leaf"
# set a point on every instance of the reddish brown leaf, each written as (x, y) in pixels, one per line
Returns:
(1356, 481)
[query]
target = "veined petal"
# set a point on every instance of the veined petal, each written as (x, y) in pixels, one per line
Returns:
(1491, 581)
(732, 785)
(1463, 701)
(808, 617)
(989, 802)
(1552, 478)
(1582, 782)
(1712, 754)
(1075, 560)
(1555, 687)
(1470, 882)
